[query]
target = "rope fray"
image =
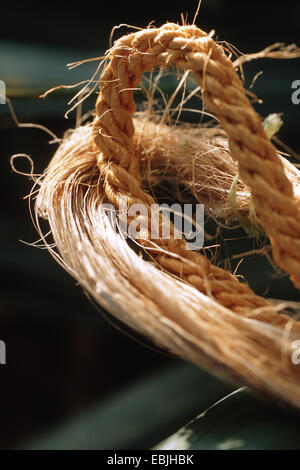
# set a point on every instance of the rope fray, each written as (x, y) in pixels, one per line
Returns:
(190, 48)
(279, 50)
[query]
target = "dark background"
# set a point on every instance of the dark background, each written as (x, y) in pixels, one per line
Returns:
(62, 355)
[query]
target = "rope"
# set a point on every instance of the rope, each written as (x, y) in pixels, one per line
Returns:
(189, 48)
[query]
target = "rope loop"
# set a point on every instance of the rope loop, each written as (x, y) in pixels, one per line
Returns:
(190, 48)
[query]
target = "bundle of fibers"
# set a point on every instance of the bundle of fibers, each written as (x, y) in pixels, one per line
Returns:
(174, 296)
(209, 172)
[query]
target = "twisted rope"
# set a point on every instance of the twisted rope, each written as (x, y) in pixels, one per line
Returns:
(190, 48)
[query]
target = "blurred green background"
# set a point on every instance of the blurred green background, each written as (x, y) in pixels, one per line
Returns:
(69, 371)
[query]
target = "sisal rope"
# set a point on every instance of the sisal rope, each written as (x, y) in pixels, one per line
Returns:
(200, 313)
(189, 48)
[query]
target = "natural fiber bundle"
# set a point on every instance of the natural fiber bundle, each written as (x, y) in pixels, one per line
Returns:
(209, 171)
(177, 297)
